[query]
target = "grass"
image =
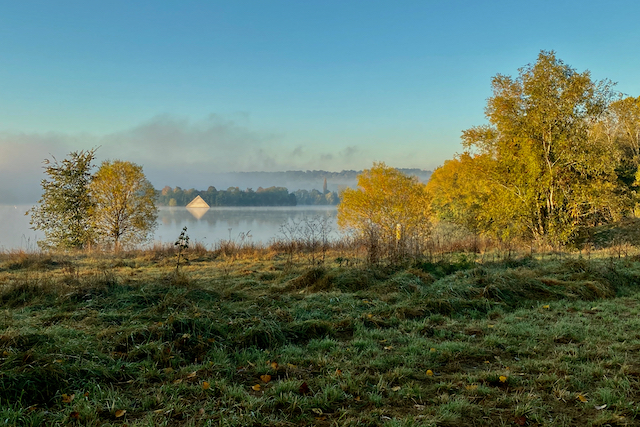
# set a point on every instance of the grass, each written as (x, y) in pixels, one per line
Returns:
(255, 339)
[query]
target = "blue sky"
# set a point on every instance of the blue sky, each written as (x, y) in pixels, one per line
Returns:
(197, 86)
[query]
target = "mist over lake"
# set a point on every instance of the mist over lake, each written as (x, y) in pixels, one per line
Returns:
(205, 225)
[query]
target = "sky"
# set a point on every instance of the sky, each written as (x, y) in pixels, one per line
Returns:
(184, 87)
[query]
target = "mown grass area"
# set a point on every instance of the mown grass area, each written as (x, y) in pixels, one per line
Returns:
(256, 341)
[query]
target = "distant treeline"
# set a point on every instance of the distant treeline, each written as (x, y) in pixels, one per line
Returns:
(233, 196)
(298, 180)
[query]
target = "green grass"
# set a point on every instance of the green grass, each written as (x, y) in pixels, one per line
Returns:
(84, 337)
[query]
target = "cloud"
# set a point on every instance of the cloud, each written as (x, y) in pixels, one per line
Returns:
(173, 142)
(173, 151)
(21, 157)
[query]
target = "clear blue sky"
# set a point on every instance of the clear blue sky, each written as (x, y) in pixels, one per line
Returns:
(193, 86)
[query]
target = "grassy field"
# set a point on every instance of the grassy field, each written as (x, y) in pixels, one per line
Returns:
(255, 340)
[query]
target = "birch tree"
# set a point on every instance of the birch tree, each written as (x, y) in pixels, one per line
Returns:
(124, 210)
(554, 177)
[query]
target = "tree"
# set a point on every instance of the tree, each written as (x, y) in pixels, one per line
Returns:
(458, 197)
(124, 210)
(625, 114)
(63, 210)
(389, 209)
(548, 175)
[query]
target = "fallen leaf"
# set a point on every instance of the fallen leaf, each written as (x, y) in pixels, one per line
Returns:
(600, 407)
(316, 411)
(274, 366)
(192, 374)
(256, 387)
(291, 366)
(521, 421)
(396, 388)
(429, 373)
(211, 340)
(120, 412)
(471, 387)
(201, 411)
(581, 398)
(178, 381)
(432, 350)
(338, 372)
(320, 418)
(168, 370)
(390, 347)
(265, 378)
(503, 379)
(68, 398)
(491, 326)
(205, 385)
(75, 415)
(546, 306)
(304, 388)
(357, 399)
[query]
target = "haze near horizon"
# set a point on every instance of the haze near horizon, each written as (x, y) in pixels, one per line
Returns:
(191, 88)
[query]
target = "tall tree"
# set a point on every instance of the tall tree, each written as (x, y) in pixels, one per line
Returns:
(124, 210)
(552, 176)
(63, 209)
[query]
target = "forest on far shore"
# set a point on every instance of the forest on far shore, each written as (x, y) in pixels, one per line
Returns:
(234, 196)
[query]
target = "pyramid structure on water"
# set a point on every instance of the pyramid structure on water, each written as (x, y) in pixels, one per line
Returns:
(198, 202)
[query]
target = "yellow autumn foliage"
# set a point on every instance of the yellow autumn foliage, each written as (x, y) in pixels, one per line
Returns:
(389, 210)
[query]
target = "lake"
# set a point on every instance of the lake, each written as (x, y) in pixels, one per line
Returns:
(207, 226)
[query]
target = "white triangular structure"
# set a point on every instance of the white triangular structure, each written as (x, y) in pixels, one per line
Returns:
(198, 203)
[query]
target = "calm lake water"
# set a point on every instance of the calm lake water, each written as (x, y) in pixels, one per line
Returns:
(207, 226)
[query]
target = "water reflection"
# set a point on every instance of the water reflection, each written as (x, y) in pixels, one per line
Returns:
(211, 225)
(197, 213)
(204, 225)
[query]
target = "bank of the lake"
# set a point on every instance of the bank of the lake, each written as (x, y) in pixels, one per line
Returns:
(255, 338)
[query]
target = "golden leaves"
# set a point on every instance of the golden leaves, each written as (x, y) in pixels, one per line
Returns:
(120, 413)
(503, 379)
(66, 398)
(206, 385)
(265, 378)
(256, 387)
(429, 373)
(582, 398)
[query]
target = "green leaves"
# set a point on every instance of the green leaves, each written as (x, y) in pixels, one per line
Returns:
(63, 210)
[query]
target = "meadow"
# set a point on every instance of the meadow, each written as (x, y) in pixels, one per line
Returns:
(258, 336)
